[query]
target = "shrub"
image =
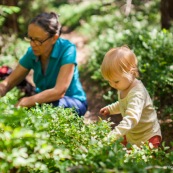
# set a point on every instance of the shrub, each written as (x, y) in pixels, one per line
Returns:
(47, 139)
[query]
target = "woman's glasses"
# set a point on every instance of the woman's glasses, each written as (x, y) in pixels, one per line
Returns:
(36, 42)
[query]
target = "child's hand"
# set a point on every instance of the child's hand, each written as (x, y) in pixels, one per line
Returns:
(104, 111)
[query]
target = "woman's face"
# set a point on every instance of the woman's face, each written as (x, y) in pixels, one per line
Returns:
(41, 42)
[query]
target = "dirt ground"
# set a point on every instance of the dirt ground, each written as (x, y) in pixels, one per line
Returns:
(94, 95)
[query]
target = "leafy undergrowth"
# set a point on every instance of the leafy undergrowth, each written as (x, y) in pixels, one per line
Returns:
(46, 139)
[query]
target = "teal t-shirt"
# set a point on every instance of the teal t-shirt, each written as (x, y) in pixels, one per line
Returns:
(63, 52)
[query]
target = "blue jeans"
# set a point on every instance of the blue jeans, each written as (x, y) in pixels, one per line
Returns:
(70, 102)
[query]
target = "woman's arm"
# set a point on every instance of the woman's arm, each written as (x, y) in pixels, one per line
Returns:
(17, 76)
(62, 83)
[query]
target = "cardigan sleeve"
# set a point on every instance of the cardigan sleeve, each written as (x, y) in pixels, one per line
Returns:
(132, 116)
(114, 108)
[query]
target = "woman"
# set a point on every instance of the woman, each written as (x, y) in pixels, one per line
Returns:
(53, 61)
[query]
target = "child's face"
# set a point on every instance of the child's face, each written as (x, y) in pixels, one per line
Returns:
(121, 83)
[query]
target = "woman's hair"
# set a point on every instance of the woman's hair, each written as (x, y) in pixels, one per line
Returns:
(119, 61)
(49, 22)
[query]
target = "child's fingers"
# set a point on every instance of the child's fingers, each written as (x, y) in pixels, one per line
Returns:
(102, 111)
(105, 112)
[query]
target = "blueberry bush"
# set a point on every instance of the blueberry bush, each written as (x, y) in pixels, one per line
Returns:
(46, 139)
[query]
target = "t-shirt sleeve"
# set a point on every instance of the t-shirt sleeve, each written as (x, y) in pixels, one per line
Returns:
(69, 55)
(26, 60)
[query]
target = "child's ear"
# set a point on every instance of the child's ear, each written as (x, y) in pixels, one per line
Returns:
(132, 71)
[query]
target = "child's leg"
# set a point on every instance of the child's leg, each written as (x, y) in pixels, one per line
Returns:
(124, 142)
(155, 140)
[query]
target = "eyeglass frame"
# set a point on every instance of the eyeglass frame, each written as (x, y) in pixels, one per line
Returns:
(29, 39)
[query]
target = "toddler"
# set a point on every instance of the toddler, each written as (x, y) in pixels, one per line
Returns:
(139, 123)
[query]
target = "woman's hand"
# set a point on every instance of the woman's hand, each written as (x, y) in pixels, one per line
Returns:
(17, 76)
(104, 111)
(2, 90)
(23, 102)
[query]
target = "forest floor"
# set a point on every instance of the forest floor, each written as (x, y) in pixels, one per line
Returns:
(94, 95)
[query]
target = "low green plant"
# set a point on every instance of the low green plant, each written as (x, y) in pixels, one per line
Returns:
(12, 49)
(48, 139)
(7, 10)
(51, 139)
(74, 15)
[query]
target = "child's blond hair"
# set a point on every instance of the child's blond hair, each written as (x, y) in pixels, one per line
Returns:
(119, 61)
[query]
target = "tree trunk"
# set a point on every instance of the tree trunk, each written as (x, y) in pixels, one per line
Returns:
(166, 9)
(10, 23)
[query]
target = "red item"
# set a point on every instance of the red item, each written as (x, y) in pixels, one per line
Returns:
(124, 142)
(5, 71)
(155, 140)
